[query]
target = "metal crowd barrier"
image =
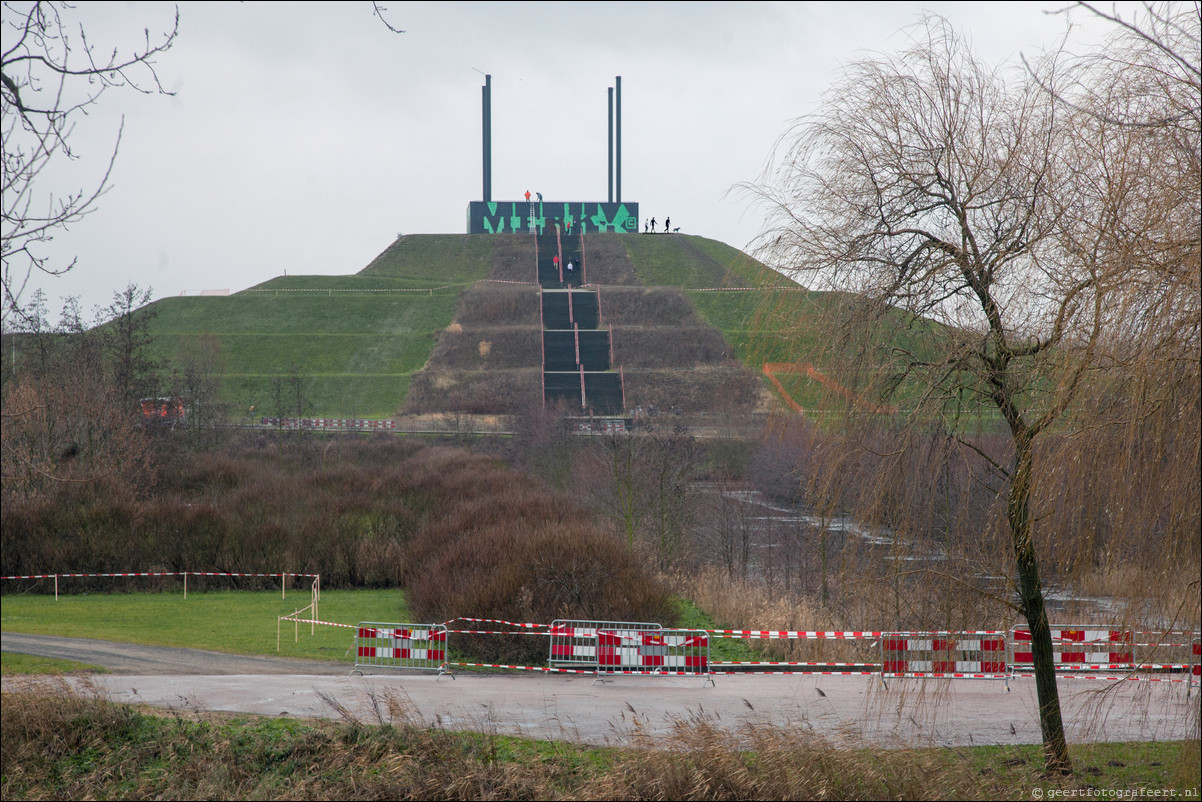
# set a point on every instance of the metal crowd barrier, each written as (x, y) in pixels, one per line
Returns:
(1087, 652)
(574, 642)
(1076, 649)
(670, 651)
(1195, 665)
(413, 646)
(954, 655)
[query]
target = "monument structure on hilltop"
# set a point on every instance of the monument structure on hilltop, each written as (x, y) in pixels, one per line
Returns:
(532, 214)
(577, 347)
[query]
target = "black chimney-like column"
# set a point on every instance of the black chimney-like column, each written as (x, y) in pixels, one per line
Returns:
(486, 99)
(618, 145)
(610, 185)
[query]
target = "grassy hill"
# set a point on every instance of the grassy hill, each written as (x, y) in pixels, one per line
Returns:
(450, 323)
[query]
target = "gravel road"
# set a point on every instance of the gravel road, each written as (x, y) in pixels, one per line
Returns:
(132, 658)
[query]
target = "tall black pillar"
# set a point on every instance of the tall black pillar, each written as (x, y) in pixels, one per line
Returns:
(487, 138)
(610, 185)
(618, 145)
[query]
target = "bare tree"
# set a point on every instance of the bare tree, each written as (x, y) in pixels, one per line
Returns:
(643, 482)
(977, 229)
(64, 420)
(51, 75)
(200, 367)
(124, 326)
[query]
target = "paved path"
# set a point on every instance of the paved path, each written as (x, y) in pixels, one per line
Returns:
(577, 708)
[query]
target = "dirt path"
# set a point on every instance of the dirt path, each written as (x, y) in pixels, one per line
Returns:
(132, 658)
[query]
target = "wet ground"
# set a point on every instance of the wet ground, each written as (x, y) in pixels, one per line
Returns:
(578, 708)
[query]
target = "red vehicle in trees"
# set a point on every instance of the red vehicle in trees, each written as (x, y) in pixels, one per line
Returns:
(168, 410)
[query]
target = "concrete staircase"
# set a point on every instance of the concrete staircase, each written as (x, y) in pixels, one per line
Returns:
(577, 347)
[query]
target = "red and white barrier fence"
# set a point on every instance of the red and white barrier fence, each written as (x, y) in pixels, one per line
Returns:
(350, 424)
(283, 576)
(1083, 651)
(1195, 664)
(606, 648)
(575, 643)
(413, 646)
(956, 655)
(669, 651)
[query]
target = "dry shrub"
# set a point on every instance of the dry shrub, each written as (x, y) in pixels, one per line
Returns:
(606, 261)
(491, 304)
(704, 760)
(509, 549)
(492, 348)
(736, 603)
(482, 392)
(728, 389)
(647, 306)
(59, 745)
(677, 347)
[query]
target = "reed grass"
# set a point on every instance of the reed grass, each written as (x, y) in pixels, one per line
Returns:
(59, 745)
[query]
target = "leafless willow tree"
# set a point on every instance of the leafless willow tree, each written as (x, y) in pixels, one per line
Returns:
(1001, 244)
(643, 482)
(51, 76)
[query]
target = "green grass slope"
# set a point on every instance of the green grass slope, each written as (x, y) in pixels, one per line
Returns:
(457, 314)
(353, 341)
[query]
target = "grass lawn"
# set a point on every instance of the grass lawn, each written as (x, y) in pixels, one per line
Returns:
(17, 663)
(242, 622)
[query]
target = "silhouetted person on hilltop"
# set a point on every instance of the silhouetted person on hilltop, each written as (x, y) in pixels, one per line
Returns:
(652, 225)
(667, 225)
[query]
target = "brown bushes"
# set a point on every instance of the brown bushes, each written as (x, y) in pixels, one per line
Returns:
(508, 347)
(680, 347)
(496, 391)
(647, 306)
(465, 534)
(510, 551)
(491, 304)
(725, 389)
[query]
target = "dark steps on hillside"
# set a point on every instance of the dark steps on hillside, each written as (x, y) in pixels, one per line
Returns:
(577, 352)
(570, 308)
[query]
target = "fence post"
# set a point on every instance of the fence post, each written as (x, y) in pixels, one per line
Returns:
(56, 587)
(316, 599)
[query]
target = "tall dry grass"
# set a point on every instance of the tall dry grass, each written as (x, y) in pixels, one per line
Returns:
(59, 745)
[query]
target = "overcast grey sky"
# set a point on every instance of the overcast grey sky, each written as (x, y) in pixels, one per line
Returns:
(303, 137)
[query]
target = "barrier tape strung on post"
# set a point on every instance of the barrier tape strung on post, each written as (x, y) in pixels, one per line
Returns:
(543, 669)
(156, 573)
(494, 621)
(716, 669)
(615, 648)
(1111, 678)
(494, 632)
(737, 663)
(789, 634)
(316, 621)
